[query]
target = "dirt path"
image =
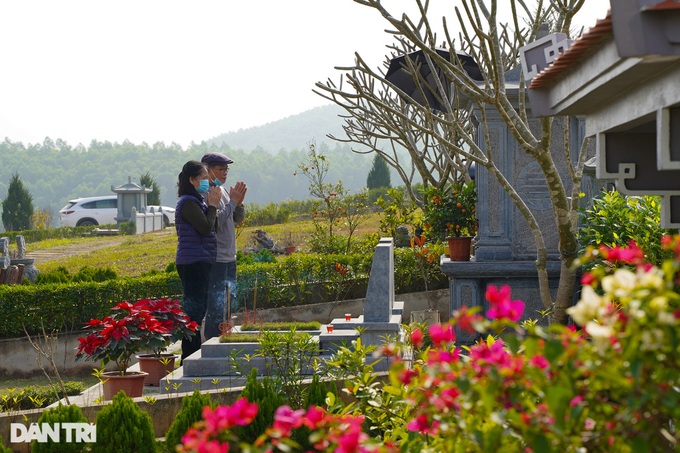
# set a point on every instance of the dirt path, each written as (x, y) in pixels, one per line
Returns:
(54, 253)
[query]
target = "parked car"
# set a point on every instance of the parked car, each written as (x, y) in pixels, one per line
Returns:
(101, 211)
(89, 211)
(168, 214)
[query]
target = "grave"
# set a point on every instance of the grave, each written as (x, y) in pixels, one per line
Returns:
(13, 270)
(505, 252)
(223, 365)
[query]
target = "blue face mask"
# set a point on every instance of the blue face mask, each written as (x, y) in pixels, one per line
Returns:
(217, 182)
(204, 186)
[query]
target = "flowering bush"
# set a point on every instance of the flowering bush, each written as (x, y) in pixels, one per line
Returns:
(450, 211)
(613, 385)
(329, 432)
(148, 324)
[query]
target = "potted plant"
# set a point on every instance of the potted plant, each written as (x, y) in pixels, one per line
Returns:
(169, 313)
(450, 215)
(130, 329)
(289, 243)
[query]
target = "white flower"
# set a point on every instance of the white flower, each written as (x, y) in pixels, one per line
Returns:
(652, 339)
(666, 318)
(621, 284)
(600, 333)
(653, 278)
(588, 308)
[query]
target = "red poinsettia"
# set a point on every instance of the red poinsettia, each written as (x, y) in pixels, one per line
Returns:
(148, 324)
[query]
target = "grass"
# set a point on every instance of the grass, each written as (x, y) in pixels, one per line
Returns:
(281, 326)
(142, 253)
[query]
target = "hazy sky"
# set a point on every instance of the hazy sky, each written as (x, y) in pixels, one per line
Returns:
(177, 71)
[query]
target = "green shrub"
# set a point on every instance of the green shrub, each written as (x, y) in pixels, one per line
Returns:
(60, 414)
(4, 449)
(65, 307)
(615, 219)
(316, 396)
(127, 228)
(59, 275)
(269, 214)
(316, 392)
(37, 396)
(190, 413)
(88, 274)
(266, 393)
(123, 426)
(51, 233)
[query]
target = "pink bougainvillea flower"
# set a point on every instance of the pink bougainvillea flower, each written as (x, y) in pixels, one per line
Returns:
(501, 305)
(240, 413)
(496, 295)
(437, 356)
(422, 425)
(286, 419)
(587, 279)
(539, 361)
(417, 337)
(314, 418)
(406, 376)
(578, 399)
(442, 334)
(510, 309)
(631, 254)
(466, 320)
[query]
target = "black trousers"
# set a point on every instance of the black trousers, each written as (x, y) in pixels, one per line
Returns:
(194, 279)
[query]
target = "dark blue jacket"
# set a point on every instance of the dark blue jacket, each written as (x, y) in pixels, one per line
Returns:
(192, 246)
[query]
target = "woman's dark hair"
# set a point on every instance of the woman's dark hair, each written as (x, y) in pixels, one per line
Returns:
(193, 168)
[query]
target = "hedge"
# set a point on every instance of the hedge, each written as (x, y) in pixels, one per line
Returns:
(297, 279)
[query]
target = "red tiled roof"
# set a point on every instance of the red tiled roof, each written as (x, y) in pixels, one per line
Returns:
(601, 30)
(667, 5)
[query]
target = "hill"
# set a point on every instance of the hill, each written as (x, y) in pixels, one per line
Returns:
(293, 132)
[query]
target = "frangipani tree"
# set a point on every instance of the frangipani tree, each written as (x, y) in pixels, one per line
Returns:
(443, 144)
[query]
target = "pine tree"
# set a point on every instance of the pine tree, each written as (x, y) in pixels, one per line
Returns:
(123, 426)
(17, 208)
(379, 175)
(153, 198)
(191, 412)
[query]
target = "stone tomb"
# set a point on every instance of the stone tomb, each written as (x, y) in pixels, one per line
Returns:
(13, 270)
(224, 365)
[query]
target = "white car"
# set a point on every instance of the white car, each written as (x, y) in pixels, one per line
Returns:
(101, 211)
(89, 211)
(168, 214)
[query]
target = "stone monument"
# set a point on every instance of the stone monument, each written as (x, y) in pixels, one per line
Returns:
(505, 251)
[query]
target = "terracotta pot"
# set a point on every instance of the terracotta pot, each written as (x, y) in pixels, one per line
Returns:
(290, 249)
(156, 367)
(459, 248)
(132, 383)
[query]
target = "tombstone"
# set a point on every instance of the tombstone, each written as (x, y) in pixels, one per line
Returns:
(4, 253)
(21, 247)
(382, 314)
(505, 252)
(24, 266)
